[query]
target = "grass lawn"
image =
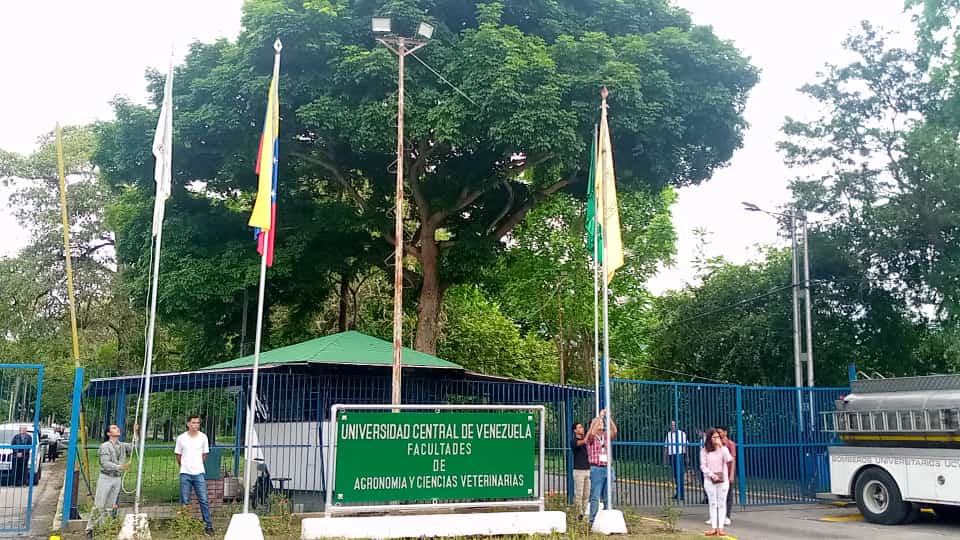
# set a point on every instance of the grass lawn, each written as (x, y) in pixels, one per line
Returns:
(161, 482)
(283, 526)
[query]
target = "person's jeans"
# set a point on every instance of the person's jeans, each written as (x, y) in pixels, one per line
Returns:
(677, 463)
(598, 489)
(198, 483)
(729, 498)
(21, 469)
(108, 490)
(717, 495)
(581, 490)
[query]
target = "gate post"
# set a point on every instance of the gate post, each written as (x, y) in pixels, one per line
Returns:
(741, 475)
(568, 452)
(121, 397)
(72, 476)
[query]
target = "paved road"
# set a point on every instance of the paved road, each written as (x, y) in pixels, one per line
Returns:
(13, 504)
(807, 521)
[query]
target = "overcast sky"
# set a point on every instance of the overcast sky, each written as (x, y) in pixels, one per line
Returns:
(66, 63)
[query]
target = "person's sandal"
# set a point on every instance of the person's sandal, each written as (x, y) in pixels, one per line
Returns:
(710, 533)
(721, 532)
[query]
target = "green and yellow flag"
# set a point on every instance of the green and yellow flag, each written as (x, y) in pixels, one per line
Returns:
(603, 214)
(594, 247)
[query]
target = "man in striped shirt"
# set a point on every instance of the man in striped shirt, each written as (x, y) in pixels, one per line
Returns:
(598, 458)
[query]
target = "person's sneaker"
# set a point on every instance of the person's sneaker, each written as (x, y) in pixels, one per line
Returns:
(726, 521)
(208, 532)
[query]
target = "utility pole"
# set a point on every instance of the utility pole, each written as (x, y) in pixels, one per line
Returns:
(560, 347)
(401, 46)
(802, 328)
(808, 301)
(794, 264)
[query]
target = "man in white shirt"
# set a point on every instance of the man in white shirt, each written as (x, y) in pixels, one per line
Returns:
(674, 455)
(191, 451)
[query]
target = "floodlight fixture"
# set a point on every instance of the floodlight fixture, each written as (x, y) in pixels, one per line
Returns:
(381, 25)
(425, 30)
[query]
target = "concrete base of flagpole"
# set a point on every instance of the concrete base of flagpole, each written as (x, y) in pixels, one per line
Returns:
(609, 522)
(244, 527)
(135, 527)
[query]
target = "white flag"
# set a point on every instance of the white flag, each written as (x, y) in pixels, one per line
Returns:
(163, 152)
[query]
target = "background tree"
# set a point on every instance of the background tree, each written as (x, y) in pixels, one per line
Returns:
(475, 168)
(737, 325)
(34, 311)
(544, 280)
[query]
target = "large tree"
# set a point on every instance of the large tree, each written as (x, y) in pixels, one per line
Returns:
(737, 325)
(34, 311)
(475, 166)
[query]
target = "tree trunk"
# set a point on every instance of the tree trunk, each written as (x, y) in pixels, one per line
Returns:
(431, 296)
(344, 300)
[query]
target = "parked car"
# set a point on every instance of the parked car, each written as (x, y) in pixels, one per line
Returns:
(7, 431)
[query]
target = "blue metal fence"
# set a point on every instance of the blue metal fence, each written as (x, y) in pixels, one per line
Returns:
(21, 386)
(781, 458)
(290, 424)
(781, 450)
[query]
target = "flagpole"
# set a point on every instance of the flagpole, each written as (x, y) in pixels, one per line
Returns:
(596, 292)
(83, 462)
(148, 369)
(606, 325)
(252, 409)
(148, 366)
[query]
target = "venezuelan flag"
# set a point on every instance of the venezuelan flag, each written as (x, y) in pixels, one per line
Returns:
(264, 216)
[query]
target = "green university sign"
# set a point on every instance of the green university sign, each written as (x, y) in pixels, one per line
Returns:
(422, 456)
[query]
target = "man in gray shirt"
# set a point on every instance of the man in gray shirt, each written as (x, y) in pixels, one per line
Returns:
(114, 460)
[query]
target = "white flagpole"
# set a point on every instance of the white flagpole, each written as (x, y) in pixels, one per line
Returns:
(252, 409)
(163, 183)
(606, 330)
(606, 388)
(596, 291)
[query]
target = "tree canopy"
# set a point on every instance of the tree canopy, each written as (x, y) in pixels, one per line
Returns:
(475, 167)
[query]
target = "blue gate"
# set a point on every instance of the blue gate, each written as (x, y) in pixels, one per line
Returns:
(22, 444)
(781, 456)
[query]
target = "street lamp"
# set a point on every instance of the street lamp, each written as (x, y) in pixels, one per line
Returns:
(798, 235)
(401, 46)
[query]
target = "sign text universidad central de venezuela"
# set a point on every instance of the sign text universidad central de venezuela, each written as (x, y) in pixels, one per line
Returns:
(452, 455)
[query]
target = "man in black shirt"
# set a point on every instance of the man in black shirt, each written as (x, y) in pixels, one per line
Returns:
(21, 457)
(581, 470)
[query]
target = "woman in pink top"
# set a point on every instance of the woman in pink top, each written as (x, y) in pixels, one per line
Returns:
(714, 458)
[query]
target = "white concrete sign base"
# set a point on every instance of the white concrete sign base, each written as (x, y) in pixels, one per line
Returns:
(609, 522)
(135, 527)
(244, 527)
(434, 525)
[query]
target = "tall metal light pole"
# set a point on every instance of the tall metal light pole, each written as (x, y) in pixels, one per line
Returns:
(807, 300)
(401, 46)
(795, 281)
(798, 242)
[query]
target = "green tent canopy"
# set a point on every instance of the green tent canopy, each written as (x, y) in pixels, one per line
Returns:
(345, 348)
